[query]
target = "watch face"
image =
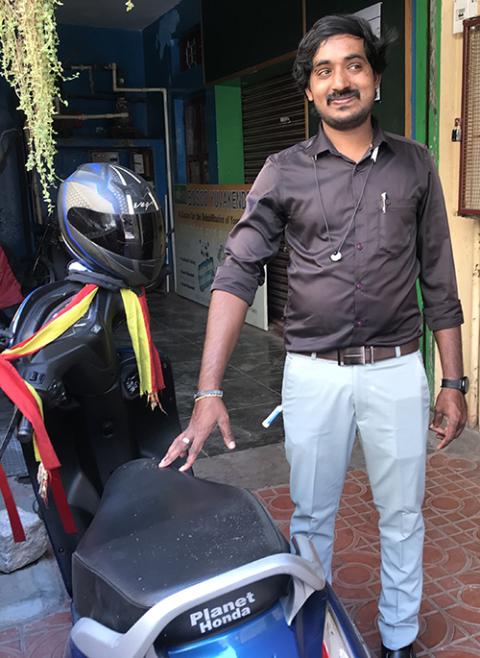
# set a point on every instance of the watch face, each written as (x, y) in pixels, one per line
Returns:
(465, 384)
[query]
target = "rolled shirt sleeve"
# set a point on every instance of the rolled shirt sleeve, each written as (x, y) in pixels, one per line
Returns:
(442, 308)
(255, 239)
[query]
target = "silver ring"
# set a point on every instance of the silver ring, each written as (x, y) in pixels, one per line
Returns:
(186, 441)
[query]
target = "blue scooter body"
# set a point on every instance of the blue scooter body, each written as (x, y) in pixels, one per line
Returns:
(268, 635)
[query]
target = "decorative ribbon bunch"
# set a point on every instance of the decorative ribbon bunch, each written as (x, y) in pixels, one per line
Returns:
(27, 400)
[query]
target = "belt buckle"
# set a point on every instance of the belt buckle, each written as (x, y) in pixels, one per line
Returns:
(355, 356)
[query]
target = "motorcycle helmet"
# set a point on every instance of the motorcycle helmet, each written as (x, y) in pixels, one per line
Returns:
(112, 223)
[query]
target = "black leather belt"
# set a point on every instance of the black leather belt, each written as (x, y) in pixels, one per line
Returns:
(360, 356)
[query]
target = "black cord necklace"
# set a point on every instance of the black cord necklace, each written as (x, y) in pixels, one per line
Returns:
(336, 254)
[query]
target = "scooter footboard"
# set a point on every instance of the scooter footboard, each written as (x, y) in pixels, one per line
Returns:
(93, 640)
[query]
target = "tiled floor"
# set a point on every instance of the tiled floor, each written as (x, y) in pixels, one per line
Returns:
(450, 618)
(44, 638)
(252, 381)
(450, 621)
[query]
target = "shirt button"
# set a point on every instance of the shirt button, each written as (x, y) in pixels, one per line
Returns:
(359, 285)
(359, 246)
(358, 323)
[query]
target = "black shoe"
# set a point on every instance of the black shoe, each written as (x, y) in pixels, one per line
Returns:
(404, 652)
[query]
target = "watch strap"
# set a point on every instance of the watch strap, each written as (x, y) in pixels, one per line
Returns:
(460, 384)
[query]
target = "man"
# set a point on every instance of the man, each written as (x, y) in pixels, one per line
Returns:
(364, 217)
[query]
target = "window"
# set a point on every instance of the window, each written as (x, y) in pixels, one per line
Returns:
(469, 197)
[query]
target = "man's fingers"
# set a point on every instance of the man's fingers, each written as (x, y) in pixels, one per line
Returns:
(192, 455)
(443, 444)
(188, 464)
(450, 416)
(437, 419)
(438, 429)
(206, 415)
(452, 431)
(437, 425)
(460, 428)
(227, 433)
(178, 448)
(448, 438)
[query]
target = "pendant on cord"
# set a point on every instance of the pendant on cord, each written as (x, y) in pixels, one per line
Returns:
(337, 255)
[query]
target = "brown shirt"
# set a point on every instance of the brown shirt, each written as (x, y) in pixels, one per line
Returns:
(398, 234)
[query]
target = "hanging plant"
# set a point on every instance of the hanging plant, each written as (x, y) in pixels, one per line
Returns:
(29, 62)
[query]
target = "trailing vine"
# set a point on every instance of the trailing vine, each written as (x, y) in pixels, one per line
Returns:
(29, 62)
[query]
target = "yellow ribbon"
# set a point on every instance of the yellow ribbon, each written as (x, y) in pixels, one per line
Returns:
(139, 338)
(52, 330)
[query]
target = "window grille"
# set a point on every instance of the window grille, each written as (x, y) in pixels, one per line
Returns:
(469, 197)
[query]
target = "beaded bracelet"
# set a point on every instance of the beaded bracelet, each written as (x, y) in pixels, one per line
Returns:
(212, 393)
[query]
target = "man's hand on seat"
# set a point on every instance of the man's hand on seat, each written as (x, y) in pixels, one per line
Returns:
(207, 414)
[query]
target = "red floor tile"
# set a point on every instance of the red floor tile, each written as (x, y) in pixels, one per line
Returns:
(43, 638)
(10, 640)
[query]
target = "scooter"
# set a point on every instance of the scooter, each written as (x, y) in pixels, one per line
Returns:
(164, 564)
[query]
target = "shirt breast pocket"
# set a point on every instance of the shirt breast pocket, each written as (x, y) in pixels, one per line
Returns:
(397, 224)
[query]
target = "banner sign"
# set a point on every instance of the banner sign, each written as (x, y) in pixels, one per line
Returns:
(204, 216)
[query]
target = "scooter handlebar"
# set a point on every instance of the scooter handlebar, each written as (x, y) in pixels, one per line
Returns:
(97, 641)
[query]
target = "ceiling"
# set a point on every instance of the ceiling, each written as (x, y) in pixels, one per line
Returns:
(112, 13)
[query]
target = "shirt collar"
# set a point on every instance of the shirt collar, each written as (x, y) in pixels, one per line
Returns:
(320, 143)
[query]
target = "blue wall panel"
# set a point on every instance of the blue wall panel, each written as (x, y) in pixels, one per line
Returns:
(162, 41)
(101, 46)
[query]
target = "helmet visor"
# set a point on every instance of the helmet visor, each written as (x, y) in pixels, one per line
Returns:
(139, 236)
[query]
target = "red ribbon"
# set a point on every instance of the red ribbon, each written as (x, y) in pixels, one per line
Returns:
(15, 388)
(15, 521)
(158, 382)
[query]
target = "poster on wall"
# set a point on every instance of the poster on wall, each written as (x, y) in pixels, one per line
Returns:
(204, 216)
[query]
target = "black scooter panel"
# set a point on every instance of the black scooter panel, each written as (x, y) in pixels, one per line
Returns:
(158, 531)
(95, 423)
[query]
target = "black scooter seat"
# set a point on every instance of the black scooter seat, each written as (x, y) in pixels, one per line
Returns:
(158, 531)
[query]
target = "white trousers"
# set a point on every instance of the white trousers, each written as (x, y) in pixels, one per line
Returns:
(388, 403)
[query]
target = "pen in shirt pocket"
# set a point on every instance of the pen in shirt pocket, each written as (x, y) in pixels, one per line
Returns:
(384, 198)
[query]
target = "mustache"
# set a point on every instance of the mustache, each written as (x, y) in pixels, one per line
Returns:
(344, 93)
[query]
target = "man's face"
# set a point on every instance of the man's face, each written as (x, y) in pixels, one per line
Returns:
(342, 83)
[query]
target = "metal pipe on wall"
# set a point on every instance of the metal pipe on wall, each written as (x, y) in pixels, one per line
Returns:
(163, 91)
(88, 117)
(86, 67)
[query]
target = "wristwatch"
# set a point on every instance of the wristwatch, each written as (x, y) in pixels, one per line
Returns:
(460, 384)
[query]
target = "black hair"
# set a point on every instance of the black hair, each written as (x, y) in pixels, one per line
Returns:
(328, 26)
